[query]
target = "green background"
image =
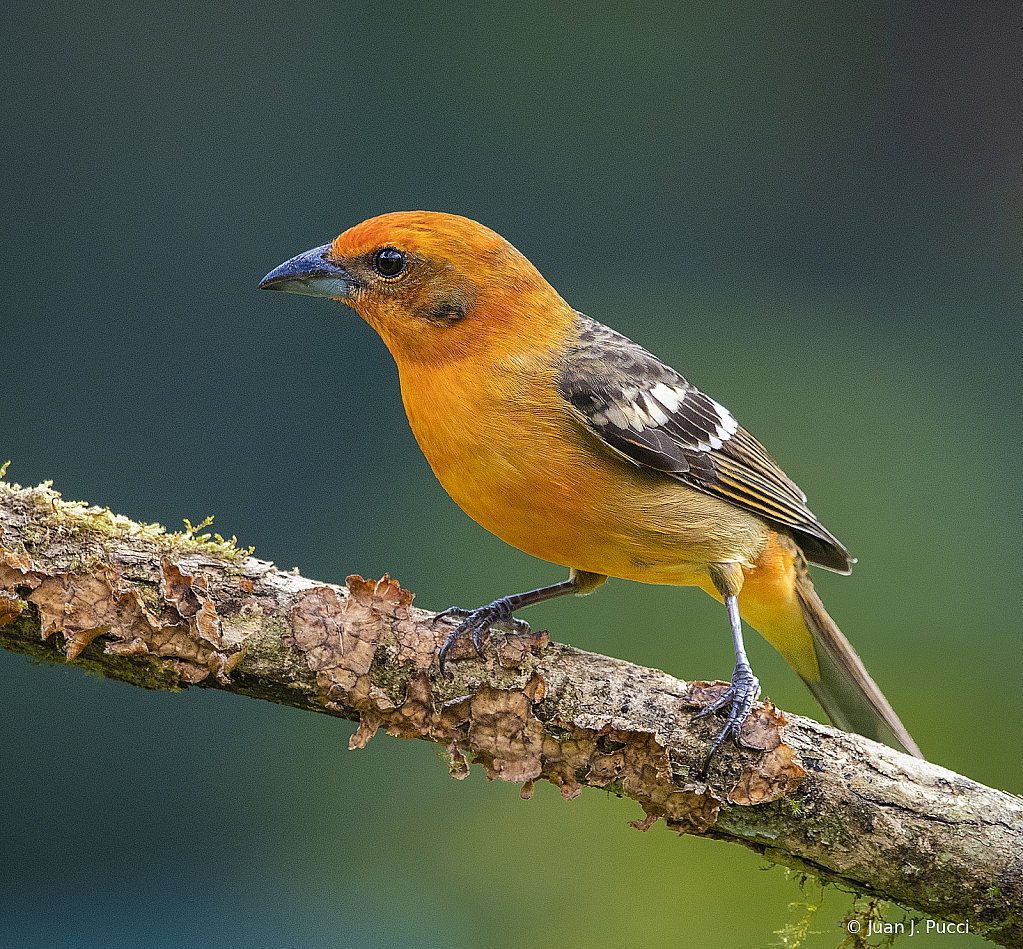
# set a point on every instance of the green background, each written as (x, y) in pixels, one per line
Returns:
(813, 212)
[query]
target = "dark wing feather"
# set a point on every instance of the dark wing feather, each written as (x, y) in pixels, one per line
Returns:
(647, 412)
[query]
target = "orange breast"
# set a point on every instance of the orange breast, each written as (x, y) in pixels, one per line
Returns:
(509, 452)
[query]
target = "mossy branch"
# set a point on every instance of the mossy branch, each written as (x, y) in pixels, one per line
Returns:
(165, 611)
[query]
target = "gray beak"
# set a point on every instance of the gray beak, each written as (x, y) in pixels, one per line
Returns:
(315, 273)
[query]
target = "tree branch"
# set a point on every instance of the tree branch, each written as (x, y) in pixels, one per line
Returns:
(164, 611)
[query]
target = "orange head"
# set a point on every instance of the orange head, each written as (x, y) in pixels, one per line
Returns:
(436, 287)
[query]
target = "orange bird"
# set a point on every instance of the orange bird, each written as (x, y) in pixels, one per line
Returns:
(576, 445)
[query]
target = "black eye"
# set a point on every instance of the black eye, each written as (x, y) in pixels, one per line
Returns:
(389, 261)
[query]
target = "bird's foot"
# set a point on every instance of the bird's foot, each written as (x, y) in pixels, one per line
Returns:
(738, 698)
(476, 624)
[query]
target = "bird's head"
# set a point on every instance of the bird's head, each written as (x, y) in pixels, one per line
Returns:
(434, 286)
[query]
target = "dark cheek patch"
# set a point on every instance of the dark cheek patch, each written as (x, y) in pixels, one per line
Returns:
(441, 311)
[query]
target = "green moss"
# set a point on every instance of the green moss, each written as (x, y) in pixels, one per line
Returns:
(22, 636)
(142, 672)
(77, 519)
(802, 916)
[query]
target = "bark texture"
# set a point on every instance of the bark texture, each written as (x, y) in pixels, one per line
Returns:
(79, 584)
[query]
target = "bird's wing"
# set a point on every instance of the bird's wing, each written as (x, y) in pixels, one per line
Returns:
(647, 412)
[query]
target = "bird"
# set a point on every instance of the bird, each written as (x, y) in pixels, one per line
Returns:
(576, 445)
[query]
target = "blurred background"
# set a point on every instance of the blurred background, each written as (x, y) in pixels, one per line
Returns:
(815, 213)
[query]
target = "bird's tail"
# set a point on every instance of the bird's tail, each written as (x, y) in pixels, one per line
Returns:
(844, 689)
(779, 601)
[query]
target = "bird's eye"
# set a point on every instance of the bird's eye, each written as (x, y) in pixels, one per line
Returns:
(389, 261)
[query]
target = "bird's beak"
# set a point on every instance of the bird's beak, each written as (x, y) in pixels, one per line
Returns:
(315, 273)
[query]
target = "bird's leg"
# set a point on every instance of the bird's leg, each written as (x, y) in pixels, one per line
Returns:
(740, 695)
(477, 623)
